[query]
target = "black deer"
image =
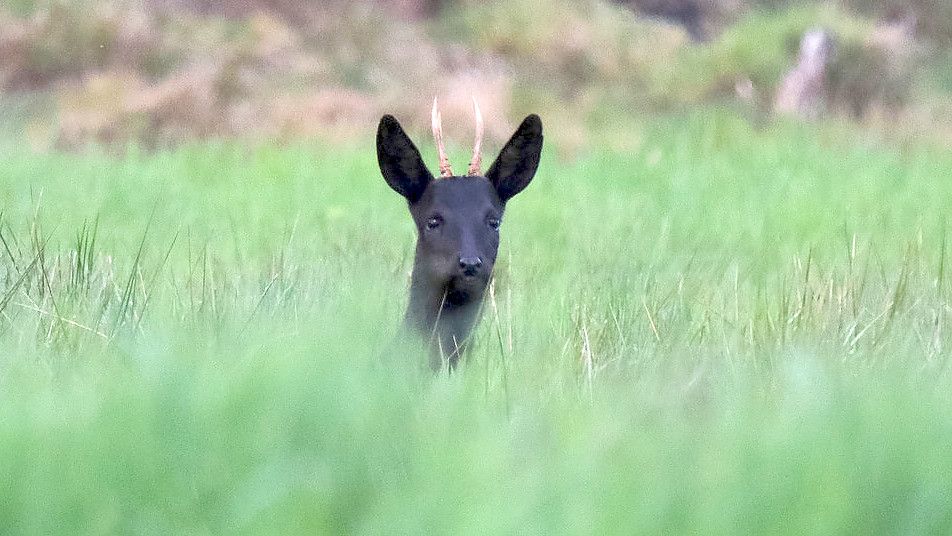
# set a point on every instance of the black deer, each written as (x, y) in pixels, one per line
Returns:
(457, 220)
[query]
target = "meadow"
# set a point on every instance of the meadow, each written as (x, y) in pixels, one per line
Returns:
(722, 329)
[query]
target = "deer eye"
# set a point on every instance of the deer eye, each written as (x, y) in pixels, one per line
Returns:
(493, 222)
(434, 222)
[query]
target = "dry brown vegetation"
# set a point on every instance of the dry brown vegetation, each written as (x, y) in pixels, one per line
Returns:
(162, 71)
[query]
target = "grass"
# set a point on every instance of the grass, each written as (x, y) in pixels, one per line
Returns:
(724, 331)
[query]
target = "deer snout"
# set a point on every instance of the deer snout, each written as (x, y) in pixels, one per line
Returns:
(470, 265)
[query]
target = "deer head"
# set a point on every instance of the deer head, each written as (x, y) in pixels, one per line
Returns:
(457, 220)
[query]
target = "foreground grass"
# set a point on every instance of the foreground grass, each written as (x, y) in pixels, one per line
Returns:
(724, 331)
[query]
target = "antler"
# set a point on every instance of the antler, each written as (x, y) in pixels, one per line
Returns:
(477, 159)
(445, 170)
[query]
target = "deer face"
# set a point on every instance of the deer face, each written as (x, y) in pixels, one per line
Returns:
(457, 217)
(457, 222)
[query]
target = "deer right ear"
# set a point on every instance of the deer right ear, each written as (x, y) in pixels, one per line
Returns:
(517, 162)
(400, 161)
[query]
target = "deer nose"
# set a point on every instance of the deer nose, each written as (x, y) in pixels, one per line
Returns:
(470, 265)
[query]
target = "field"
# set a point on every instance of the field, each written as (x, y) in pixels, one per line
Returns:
(723, 330)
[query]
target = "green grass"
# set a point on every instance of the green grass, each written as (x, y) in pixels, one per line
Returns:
(724, 331)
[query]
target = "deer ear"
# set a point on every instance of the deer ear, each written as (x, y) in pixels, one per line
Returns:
(517, 162)
(400, 161)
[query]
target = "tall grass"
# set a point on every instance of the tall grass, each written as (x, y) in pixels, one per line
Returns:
(724, 330)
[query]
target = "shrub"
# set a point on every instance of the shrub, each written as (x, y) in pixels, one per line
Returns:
(763, 47)
(933, 17)
(65, 40)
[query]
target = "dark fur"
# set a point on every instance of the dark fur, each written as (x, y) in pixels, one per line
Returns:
(457, 221)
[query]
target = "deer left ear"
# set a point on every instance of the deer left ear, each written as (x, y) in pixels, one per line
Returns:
(517, 162)
(400, 161)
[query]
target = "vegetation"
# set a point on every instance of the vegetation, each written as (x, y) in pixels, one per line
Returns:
(720, 329)
(701, 321)
(137, 71)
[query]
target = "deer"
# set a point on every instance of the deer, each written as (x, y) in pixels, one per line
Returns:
(457, 219)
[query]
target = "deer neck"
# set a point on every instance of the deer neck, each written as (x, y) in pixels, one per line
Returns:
(443, 317)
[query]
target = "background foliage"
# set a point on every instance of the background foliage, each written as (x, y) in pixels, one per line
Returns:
(160, 72)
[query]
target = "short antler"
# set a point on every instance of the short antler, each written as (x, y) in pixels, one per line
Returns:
(476, 162)
(445, 170)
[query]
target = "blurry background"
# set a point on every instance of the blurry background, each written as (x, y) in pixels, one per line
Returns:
(161, 72)
(722, 306)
